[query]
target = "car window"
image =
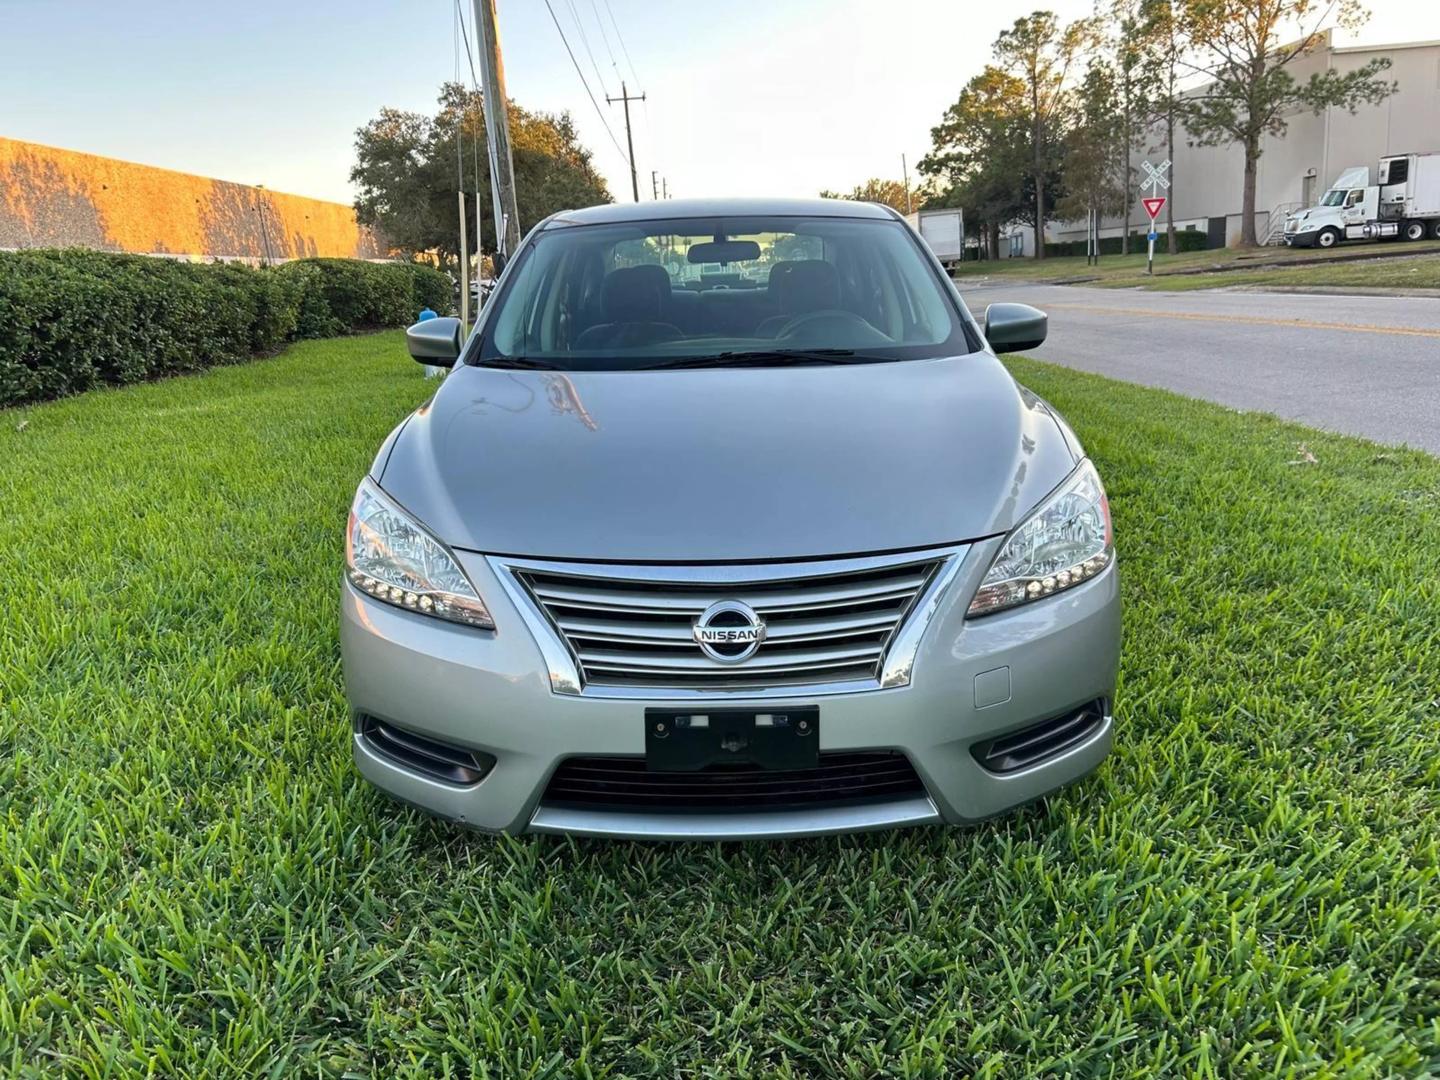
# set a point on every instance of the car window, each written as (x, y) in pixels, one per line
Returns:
(606, 297)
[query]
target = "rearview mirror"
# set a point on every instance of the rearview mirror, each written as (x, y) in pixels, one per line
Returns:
(435, 341)
(723, 251)
(1014, 327)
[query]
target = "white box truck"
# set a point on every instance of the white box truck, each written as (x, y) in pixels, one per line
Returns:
(943, 230)
(1404, 203)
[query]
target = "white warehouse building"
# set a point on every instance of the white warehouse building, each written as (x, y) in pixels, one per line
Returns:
(1294, 170)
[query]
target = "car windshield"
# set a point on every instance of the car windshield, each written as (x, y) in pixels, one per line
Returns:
(721, 290)
(1333, 198)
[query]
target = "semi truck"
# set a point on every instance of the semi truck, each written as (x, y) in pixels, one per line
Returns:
(1405, 203)
(943, 230)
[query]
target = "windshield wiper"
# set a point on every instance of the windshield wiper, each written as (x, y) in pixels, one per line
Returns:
(524, 362)
(739, 358)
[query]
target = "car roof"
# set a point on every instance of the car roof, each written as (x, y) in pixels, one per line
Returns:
(612, 213)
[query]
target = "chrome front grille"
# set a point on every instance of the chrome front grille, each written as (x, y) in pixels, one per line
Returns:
(631, 628)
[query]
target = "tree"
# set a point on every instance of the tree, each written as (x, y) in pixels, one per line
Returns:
(1251, 89)
(1163, 45)
(407, 168)
(978, 154)
(1097, 148)
(1040, 53)
(1130, 52)
(889, 193)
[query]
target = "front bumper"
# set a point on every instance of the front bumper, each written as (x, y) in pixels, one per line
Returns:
(490, 692)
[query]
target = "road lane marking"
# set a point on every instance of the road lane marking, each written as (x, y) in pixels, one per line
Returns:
(1256, 320)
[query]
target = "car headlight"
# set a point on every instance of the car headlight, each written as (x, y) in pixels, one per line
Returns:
(1067, 539)
(390, 556)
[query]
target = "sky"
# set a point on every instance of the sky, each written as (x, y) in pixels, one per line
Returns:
(743, 97)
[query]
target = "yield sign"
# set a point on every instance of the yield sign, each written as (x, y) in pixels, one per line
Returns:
(1153, 206)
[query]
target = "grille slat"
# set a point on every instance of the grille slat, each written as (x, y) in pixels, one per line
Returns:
(780, 661)
(623, 595)
(625, 783)
(790, 629)
(635, 629)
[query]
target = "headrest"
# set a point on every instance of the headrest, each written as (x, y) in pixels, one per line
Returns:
(633, 294)
(657, 274)
(778, 273)
(809, 285)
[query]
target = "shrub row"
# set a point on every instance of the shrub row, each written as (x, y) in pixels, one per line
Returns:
(74, 319)
(1185, 240)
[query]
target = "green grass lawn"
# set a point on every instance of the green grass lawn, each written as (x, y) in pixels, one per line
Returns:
(194, 881)
(1228, 265)
(1422, 272)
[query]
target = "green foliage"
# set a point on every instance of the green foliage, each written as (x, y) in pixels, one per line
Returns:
(194, 881)
(353, 295)
(889, 193)
(75, 319)
(407, 166)
(1096, 146)
(979, 154)
(432, 289)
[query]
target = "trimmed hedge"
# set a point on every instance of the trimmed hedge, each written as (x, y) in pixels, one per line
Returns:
(1185, 240)
(71, 320)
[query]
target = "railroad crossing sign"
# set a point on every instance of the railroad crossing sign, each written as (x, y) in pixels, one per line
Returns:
(1155, 177)
(1156, 181)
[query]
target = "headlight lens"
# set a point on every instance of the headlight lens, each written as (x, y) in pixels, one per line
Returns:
(389, 556)
(1066, 540)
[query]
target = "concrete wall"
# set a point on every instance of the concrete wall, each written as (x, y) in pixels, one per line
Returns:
(60, 198)
(1208, 181)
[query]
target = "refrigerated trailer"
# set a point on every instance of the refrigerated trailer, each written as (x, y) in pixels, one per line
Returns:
(1405, 202)
(1409, 197)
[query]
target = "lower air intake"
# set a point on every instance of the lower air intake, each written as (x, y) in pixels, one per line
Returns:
(1034, 744)
(623, 783)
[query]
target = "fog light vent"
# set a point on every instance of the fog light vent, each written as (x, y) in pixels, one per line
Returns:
(1034, 744)
(429, 757)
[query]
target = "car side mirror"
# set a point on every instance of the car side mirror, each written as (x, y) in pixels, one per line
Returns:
(435, 341)
(1014, 327)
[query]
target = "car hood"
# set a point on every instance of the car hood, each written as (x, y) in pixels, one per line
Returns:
(726, 464)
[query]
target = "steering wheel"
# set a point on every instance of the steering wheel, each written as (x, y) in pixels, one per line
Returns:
(846, 325)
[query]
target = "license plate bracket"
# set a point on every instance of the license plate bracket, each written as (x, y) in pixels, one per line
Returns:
(688, 740)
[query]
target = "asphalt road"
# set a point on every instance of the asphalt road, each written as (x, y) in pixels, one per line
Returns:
(1363, 365)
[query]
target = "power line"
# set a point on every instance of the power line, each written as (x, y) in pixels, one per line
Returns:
(469, 55)
(583, 83)
(604, 37)
(620, 38)
(585, 41)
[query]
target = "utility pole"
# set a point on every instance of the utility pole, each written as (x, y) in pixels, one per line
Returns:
(497, 130)
(664, 188)
(654, 184)
(905, 169)
(629, 140)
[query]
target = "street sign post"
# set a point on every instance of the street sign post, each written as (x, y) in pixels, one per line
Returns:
(1154, 180)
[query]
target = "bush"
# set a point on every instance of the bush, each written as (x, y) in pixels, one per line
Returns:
(433, 289)
(1185, 240)
(74, 319)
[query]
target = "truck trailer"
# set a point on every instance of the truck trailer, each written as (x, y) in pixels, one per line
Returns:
(1404, 203)
(943, 231)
